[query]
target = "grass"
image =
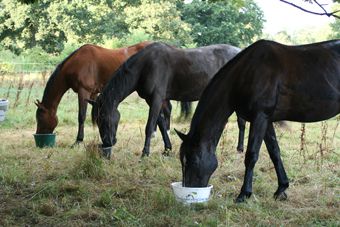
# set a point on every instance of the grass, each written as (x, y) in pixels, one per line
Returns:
(65, 186)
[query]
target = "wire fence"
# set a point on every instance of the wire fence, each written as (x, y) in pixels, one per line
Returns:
(19, 79)
(24, 67)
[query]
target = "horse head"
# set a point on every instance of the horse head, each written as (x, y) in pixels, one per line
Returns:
(198, 162)
(47, 119)
(106, 117)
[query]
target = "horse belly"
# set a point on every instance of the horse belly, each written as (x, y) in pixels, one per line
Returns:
(306, 109)
(187, 87)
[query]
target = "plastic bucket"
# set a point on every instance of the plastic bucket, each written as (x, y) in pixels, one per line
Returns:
(44, 140)
(4, 104)
(189, 195)
(2, 115)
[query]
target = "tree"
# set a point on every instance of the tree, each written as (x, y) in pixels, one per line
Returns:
(49, 24)
(335, 26)
(223, 22)
(322, 11)
(160, 19)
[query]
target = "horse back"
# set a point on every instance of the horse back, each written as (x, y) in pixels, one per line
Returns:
(192, 69)
(289, 82)
(92, 66)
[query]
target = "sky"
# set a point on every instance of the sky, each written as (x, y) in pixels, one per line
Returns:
(281, 16)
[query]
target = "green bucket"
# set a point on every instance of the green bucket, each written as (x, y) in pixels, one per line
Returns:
(44, 140)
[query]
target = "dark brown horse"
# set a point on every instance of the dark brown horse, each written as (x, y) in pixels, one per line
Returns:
(159, 72)
(265, 83)
(85, 71)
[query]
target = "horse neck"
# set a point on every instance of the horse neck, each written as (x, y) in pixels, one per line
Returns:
(337, 46)
(122, 84)
(211, 115)
(54, 91)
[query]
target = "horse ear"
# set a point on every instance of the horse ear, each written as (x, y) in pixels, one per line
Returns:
(92, 102)
(37, 103)
(181, 135)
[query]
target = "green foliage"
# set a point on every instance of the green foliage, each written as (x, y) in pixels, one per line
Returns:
(302, 36)
(335, 26)
(50, 24)
(223, 22)
(136, 36)
(32, 60)
(50, 27)
(160, 19)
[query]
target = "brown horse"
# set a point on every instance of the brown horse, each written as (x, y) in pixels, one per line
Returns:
(86, 71)
(265, 83)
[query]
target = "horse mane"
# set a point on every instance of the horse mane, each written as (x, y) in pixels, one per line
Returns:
(118, 76)
(119, 80)
(56, 72)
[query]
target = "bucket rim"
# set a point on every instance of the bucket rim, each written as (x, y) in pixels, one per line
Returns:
(44, 134)
(178, 184)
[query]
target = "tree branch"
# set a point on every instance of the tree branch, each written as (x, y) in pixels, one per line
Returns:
(331, 14)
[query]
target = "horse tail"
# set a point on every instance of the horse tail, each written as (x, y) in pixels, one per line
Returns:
(93, 117)
(186, 109)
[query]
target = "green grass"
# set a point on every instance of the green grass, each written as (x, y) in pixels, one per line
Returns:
(61, 186)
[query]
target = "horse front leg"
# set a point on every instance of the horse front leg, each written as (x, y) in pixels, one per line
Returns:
(154, 111)
(241, 128)
(274, 153)
(82, 103)
(256, 134)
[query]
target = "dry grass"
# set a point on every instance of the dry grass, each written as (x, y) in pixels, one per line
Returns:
(61, 186)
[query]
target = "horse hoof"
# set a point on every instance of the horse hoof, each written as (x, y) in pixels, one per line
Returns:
(166, 152)
(77, 143)
(242, 197)
(282, 196)
(145, 155)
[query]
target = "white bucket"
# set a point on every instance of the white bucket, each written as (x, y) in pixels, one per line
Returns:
(4, 104)
(2, 115)
(189, 195)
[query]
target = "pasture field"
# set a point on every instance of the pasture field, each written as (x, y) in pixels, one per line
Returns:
(65, 186)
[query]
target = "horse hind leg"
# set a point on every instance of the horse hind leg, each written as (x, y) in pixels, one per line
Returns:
(166, 115)
(241, 127)
(82, 103)
(167, 108)
(274, 153)
(162, 124)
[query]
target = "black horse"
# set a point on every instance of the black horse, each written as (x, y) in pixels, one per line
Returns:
(159, 72)
(266, 82)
